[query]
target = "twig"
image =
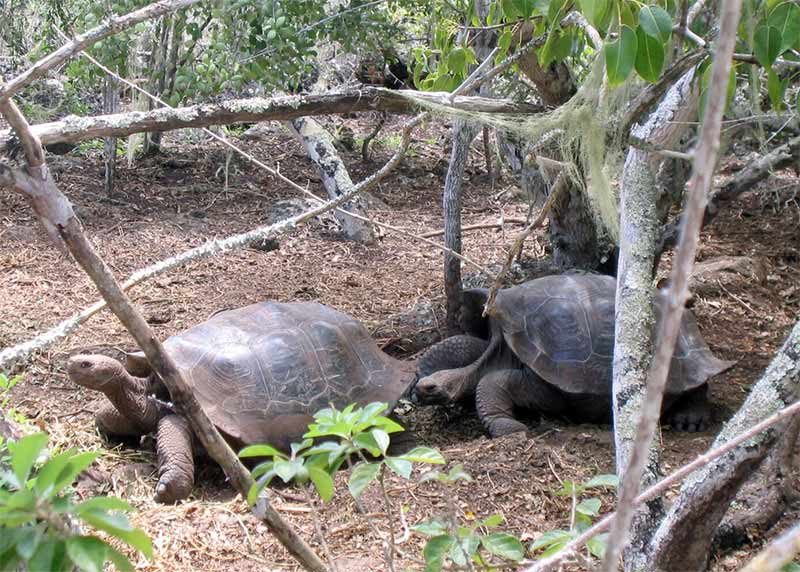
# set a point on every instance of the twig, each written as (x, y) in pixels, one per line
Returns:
(705, 158)
(663, 485)
(561, 183)
(499, 224)
(368, 139)
(318, 529)
(387, 507)
(777, 554)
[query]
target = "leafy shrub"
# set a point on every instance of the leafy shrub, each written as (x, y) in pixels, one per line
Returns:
(42, 527)
(582, 515)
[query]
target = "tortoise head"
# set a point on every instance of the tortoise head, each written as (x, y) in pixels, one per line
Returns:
(96, 372)
(445, 386)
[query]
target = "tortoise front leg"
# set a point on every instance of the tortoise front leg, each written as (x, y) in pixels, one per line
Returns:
(499, 392)
(175, 459)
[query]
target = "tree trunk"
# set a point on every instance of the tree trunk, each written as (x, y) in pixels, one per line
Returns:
(573, 232)
(110, 105)
(152, 141)
(463, 134)
(334, 176)
(683, 540)
(634, 320)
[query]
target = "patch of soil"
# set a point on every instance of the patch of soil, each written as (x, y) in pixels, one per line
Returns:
(163, 206)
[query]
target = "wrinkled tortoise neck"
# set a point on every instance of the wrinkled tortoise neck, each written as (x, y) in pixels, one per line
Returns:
(473, 373)
(130, 395)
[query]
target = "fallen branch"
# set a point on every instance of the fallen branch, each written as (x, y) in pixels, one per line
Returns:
(73, 129)
(755, 172)
(499, 224)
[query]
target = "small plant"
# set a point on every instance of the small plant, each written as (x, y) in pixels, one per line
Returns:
(6, 385)
(41, 525)
(582, 515)
(465, 547)
(361, 437)
(357, 433)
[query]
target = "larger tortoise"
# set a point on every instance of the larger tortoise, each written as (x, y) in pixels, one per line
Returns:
(548, 347)
(260, 372)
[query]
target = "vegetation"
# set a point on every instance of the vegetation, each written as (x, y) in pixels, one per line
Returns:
(42, 527)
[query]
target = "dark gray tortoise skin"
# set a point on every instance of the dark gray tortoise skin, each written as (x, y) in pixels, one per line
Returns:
(548, 348)
(260, 372)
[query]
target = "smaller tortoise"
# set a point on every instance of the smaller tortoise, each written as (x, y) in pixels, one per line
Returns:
(259, 372)
(548, 347)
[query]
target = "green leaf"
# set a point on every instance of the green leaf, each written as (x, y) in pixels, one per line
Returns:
(102, 503)
(767, 43)
(597, 546)
(24, 453)
(424, 455)
(118, 525)
(261, 451)
(510, 9)
(656, 23)
(430, 528)
(620, 56)
(286, 470)
(367, 441)
(87, 552)
(649, 56)
(602, 481)
(776, 89)
(50, 555)
(28, 542)
(551, 538)
(785, 17)
(322, 482)
(76, 466)
(525, 8)
(457, 60)
(400, 467)
(589, 507)
(121, 562)
(547, 54)
(492, 521)
(464, 547)
(258, 486)
(504, 545)
(598, 12)
(361, 476)
(435, 551)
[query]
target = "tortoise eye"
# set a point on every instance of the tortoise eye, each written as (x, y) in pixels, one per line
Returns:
(86, 364)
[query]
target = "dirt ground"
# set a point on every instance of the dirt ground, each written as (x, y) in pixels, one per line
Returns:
(166, 205)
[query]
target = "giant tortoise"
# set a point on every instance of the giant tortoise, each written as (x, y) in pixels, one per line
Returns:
(548, 346)
(260, 373)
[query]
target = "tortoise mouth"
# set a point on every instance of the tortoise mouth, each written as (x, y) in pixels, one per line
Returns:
(431, 391)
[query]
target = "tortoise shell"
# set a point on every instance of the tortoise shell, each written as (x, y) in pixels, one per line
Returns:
(262, 371)
(562, 327)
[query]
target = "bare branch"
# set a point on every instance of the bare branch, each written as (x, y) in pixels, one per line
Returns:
(778, 553)
(706, 156)
(104, 30)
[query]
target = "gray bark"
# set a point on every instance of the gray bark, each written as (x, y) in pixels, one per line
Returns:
(634, 325)
(463, 134)
(683, 540)
(335, 178)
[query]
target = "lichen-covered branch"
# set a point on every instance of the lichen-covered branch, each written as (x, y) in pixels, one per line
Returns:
(284, 108)
(650, 409)
(335, 178)
(634, 320)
